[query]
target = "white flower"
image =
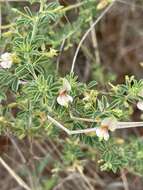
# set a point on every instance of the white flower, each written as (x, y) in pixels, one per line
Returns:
(140, 103)
(6, 60)
(102, 133)
(64, 98)
(107, 124)
(22, 82)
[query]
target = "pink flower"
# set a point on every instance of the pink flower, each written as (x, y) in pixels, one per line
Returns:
(102, 133)
(107, 124)
(64, 98)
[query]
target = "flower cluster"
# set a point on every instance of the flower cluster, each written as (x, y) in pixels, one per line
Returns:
(107, 124)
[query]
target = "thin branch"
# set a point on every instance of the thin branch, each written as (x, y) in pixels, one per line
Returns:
(59, 57)
(69, 132)
(58, 124)
(18, 149)
(14, 175)
(95, 44)
(123, 125)
(129, 4)
(124, 179)
(87, 32)
(83, 119)
(120, 125)
(81, 131)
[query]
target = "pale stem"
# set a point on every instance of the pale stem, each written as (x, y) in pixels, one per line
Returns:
(72, 7)
(120, 125)
(87, 32)
(69, 132)
(59, 125)
(95, 44)
(123, 125)
(14, 175)
(80, 131)
(61, 50)
(42, 2)
(130, 122)
(36, 20)
(83, 119)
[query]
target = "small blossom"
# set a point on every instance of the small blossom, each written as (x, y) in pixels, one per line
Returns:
(7, 34)
(15, 58)
(22, 82)
(107, 124)
(90, 96)
(111, 123)
(140, 103)
(102, 4)
(64, 98)
(52, 53)
(102, 133)
(86, 97)
(6, 60)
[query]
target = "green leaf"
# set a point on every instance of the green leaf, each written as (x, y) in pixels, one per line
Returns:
(15, 84)
(2, 96)
(92, 84)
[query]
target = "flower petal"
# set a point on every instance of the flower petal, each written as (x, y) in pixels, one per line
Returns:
(106, 136)
(70, 98)
(102, 133)
(140, 105)
(66, 85)
(99, 132)
(110, 122)
(6, 56)
(63, 100)
(6, 60)
(6, 64)
(22, 82)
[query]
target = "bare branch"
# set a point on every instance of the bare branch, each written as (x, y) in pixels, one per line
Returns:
(14, 175)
